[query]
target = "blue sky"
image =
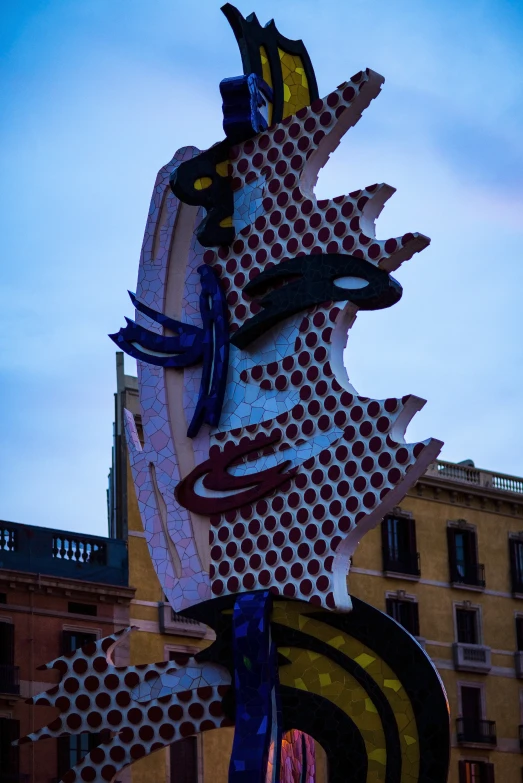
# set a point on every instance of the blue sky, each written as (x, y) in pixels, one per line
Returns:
(98, 95)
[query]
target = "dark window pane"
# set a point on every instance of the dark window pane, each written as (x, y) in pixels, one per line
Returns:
(71, 750)
(3, 598)
(9, 755)
(516, 564)
(398, 536)
(519, 633)
(7, 644)
(467, 626)
(405, 613)
(184, 761)
(73, 640)
(88, 609)
(471, 703)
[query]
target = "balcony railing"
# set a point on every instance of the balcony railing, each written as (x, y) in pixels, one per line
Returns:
(476, 731)
(9, 679)
(472, 657)
(469, 574)
(57, 553)
(405, 563)
(466, 474)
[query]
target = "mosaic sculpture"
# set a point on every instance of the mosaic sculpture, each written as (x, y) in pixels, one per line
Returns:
(261, 467)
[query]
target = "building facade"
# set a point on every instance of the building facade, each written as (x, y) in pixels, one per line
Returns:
(447, 565)
(58, 591)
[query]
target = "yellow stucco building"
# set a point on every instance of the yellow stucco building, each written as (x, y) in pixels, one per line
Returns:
(447, 564)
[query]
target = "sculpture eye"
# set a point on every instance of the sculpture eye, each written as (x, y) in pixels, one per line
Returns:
(350, 282)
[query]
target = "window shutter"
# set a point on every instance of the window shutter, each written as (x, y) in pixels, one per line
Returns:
(462, 766)
(471, 548)
(414, 609)
(385, 543)
(512, 543)
(451, 541)
(488, 776)
(412, 535)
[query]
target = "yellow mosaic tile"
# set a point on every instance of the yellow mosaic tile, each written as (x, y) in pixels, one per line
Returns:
(203, 183)
(325, 678)
(296, 93)
(296, 615)
(267, 77)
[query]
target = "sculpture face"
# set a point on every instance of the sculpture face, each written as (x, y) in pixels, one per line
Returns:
(262, 466)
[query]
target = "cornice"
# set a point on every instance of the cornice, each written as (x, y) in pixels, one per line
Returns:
(494, 501)
(43, 583)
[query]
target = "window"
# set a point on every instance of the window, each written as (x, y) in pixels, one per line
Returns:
(73, 640)
(398, 538)
(87, 609)
(519, 633)
(516, 564)
(476, 772)
(463, 561)
(467, 626)
(184, 761)
(71, 750)
(9, 681)
(405, 613)
(9, 755)
(3, 598)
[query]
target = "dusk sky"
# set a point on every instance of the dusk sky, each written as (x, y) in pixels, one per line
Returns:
(97, 96)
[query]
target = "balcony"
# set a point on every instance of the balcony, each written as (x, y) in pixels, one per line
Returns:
(9, 680)
(173, 623)
(476, 732)
(58, 553)
(408, 563)
(470, 476)
(471, 658)
(472, 574)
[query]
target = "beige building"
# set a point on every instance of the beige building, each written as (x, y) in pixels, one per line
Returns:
(447, 564)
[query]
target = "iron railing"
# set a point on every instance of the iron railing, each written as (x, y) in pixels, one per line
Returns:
(405, 563)
(9, 679)
(468, 574)
(476, 731)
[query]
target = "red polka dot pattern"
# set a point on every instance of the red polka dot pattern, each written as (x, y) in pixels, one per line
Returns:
(290, 541)
(295, 223)
(94, 694)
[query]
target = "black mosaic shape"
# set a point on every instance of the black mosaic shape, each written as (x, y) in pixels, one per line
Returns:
(332, 728)
(250, 35)
(311, 280)
(290, 637)
(244, 106)
(217, 198)
(215, 347)
(325, 722)
(417, 674)
(189, 345)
